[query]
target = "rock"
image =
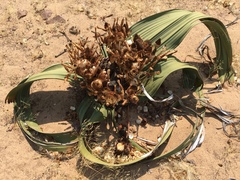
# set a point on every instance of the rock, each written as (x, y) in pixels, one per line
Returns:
(130, 14)
(74, 30)
(119, 116)
(24, 40)
(21, 14)
(80, 8)
(45, 14)
(56, 19)
(72, 108)
(145, 109)
(130, 136)
(98, 150)
(90, 15)
(3, 33)
(120, 147)
(139, 120)
(14, 28)
(205, 8)
(37, 55)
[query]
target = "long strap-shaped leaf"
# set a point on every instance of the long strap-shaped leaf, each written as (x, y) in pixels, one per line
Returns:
(168, 66)
(22, 110)
(90, 156)
(98, 114)
(148, 156)
(173, 25)
(57, 145)
(190, 139)
(53, 72)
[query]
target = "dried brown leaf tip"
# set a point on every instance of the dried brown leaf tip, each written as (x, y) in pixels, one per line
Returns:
(112, 69)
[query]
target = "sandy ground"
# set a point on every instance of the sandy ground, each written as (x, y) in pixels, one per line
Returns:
(30, 39)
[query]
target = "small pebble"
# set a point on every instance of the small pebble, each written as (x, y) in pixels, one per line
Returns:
(145, 109)
(24, 40)
(38, 55)
(45, 14)
(129, 14)
(80, 9)
(120, 146)
(46, 43)
(205, 8)
(108, 157)
(21, 14)
(56, 19)
(14, 28)
(170, 92)
(139, 120)
(98, 150)
(72, 108)
(90, 15)
(74, 30)
(119, 116)
(130, 135)
(129, 41)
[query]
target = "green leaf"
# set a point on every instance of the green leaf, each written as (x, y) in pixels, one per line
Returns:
(22, 110)
(22, 90)
(191, 76)
(65, 142)
(90, 156)
(190, 139)
(85, 104)
(91, 111)
(99, 114)
(173, 25)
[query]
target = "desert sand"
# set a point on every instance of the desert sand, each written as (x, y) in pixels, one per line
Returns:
(30, 40)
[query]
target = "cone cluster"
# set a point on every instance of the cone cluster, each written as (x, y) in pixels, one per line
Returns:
(113, 68)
